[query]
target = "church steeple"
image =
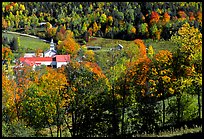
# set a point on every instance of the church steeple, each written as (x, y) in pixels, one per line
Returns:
(52, 45)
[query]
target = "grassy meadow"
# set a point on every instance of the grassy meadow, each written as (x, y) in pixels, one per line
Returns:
(28, 43)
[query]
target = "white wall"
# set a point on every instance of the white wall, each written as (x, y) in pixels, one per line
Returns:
(44, 63)
(59, 64)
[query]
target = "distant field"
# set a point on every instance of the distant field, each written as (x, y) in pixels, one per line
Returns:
(29, 43)
(161, 45)
(109, 43)
(103, 57)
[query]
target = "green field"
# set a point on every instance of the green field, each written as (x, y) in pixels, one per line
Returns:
(107, 43)
(161, 45)
(110, 43)
(103, 56)
(29, 43)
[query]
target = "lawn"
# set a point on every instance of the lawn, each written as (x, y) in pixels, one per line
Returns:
(29, 43)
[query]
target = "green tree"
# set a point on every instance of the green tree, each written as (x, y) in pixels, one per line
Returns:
(86, 84)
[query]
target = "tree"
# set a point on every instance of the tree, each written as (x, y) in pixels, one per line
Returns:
(103, 18)
(15, 44)
(166, 17)
(86, 83)
(4, 23)
(95, 27)
(150, 52)
(154, 17)
(44, 103)
(68, 46)
(142, 47)
(184, 65)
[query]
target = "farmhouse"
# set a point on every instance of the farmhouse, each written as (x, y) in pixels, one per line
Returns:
(48, 58)
(55, 61)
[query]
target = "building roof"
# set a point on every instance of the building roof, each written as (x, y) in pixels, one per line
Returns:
(62, 58)
(32, 60)
(54, 51)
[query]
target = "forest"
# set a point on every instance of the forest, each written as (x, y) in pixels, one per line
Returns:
(131, 92)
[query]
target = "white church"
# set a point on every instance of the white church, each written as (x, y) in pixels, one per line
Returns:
(51, 52)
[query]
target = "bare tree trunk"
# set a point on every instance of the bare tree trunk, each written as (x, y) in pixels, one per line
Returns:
(60, 131)
(114, 112)
(50, 129)
(179, 105)
(199, 105)
(73, 125)
(123, 108)
(68, 125)
(163, 112)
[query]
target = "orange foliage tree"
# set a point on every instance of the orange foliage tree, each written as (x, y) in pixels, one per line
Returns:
(161, 73)
(68, 45)
(142, 47)
(154, 17)
(166, 17)
(7, 53)
(9, 97)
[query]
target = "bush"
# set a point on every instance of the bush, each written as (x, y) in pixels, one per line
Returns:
(17, 129)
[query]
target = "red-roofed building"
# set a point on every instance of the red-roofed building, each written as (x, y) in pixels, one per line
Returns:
(49, 58)
(61, 60)
(55, 61)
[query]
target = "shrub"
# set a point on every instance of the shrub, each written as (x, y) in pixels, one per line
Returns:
(17, 129)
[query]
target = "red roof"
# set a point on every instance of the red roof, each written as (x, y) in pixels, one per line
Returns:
(31, 60)
(36, 58)
(62, 58)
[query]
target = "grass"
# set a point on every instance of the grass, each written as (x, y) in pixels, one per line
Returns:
(45, 132)
(183, 132)
(102, 55)
(161, 45)
(28, 43)
(110, 43)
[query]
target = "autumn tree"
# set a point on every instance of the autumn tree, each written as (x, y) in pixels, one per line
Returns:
(86, 83)
(166, 17)
(4, 24)
(7, 54)
(68, 46)
(185, 65)
(154, 17)
(44, 103)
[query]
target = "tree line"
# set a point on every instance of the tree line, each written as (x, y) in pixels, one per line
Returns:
(118, 20)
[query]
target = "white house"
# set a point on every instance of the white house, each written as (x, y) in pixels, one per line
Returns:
(61, 60)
